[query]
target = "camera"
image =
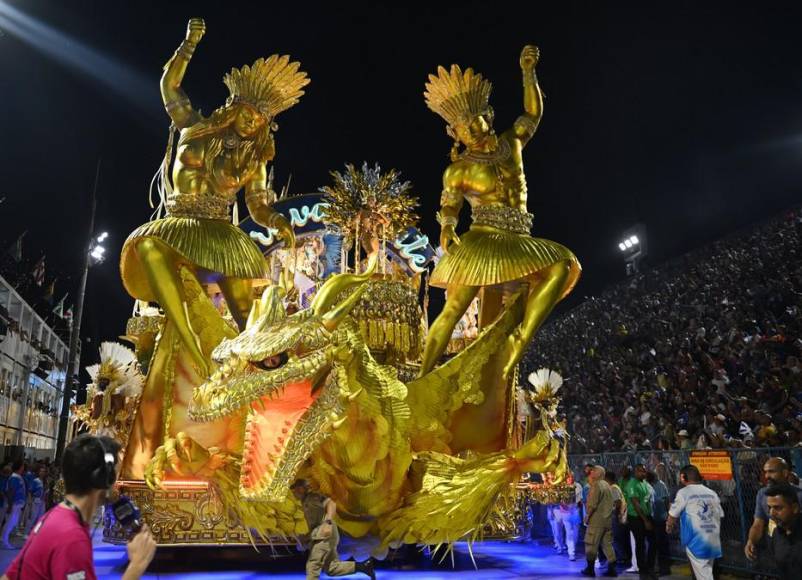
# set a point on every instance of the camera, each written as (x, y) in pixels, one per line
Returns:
(126, 513)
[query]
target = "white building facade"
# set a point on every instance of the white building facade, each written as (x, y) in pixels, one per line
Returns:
(33, 362)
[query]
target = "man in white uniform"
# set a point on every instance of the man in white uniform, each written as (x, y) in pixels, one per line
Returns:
(567, 516)
(699, 511)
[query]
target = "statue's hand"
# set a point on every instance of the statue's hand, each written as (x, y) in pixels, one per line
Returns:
(196, 28)
(184, 456)
(530, 55)
(286, 234)
(448, 236)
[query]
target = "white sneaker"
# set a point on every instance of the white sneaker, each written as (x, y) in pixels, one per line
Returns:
(572, 557)
(632, 570)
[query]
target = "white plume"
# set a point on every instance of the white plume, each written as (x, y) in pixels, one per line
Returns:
(545, 382)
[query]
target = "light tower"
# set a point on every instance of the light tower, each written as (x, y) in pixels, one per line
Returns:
(633, 247)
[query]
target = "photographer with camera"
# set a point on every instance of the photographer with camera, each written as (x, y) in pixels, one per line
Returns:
(60, 544)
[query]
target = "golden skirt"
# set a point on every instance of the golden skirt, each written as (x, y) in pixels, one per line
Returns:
(213, 245)
(488, 256)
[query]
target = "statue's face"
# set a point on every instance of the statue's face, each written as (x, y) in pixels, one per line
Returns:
(478, 133)
(248, 121)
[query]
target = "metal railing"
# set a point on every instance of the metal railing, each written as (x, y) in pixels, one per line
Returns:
(737, 495)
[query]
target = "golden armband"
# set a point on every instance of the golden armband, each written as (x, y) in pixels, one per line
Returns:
(450, 197)
(259, 195)
(186, 49)
(446, 220)
(177, 104)
(524, 124)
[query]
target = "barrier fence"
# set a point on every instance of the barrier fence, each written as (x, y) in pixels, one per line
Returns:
(738, 494)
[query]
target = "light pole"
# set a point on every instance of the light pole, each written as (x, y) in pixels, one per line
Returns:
(633, 247)
(93, 254)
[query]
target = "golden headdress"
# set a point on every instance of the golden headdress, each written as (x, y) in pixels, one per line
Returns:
(457, 96)
(270, 85)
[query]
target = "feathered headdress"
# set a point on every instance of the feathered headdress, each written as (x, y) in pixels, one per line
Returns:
(457, 96)
(270, 85)
(546, 383)
(118, 365)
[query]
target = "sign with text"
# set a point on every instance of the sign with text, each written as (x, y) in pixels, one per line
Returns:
(713, 464)
(307, 214)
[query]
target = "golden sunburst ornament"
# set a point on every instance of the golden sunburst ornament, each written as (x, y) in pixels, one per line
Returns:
(369, 196)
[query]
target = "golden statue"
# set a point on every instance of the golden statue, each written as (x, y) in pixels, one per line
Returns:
(497, 249)
(216, 157)
(173, 259)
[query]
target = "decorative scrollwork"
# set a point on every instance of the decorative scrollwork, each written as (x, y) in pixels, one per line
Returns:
(165, 521)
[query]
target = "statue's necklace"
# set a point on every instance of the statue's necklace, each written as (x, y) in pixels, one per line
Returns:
(501, 153)
(231, 141)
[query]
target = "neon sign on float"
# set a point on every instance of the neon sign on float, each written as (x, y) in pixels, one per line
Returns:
(406, 245)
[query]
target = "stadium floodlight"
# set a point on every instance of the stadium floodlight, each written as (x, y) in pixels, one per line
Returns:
(632, 245)
(102, 237)
(97, 253)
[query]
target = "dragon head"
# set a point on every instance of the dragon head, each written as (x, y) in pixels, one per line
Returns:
(279, 370)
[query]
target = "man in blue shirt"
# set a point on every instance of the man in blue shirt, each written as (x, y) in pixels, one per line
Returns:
(660, 515)
(37, 490)
(16, 495)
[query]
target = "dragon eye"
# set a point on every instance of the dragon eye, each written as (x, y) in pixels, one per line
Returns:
(272, 362)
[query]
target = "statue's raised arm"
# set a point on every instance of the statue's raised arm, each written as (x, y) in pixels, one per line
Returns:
(526, 125)
(175, 99)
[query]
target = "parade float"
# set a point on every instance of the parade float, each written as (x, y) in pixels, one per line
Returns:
(295, 343)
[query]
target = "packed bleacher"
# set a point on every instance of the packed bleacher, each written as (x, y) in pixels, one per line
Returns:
(703, 352)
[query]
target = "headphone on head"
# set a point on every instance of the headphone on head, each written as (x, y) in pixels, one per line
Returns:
(104, 475)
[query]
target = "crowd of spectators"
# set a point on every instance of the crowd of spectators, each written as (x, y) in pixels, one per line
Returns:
(703, 352)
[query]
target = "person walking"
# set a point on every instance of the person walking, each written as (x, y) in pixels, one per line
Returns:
(660, 516)
(698, 509)
(620, 532)
(319, 512)
(16, 496)
(568, 519)
(37, 499)
(776, 471)
(639, 518)
(556, 528)
(786, 541)
(599, 521)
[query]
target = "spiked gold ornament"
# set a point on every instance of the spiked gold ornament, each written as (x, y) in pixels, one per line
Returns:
(457, 96)
(373, 196)
(270, 85)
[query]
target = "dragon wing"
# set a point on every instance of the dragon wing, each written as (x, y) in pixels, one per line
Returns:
(436, 395)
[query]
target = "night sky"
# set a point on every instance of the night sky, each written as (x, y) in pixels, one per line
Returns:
(685, 116)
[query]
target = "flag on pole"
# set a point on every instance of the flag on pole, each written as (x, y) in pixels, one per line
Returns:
(38, 272)
(59, 309)
(15, 251)
(68, 317)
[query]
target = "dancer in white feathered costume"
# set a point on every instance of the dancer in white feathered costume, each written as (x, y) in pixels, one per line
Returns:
(113, 393)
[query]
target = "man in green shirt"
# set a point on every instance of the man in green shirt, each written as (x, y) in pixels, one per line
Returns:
(639, 518)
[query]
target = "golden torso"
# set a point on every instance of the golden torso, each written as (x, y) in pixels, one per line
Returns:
(499, 183)
(231, 169)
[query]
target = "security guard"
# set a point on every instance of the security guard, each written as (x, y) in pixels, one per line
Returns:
(319, 512)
